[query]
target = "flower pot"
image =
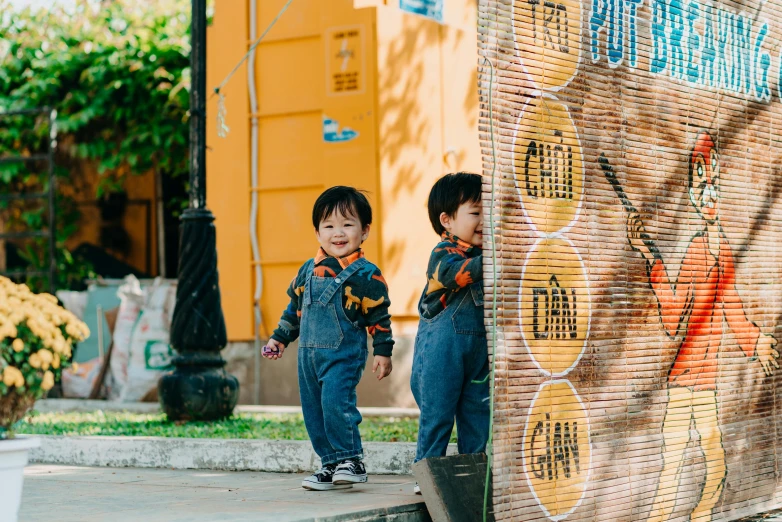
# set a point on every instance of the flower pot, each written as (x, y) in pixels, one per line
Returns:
(13, 459)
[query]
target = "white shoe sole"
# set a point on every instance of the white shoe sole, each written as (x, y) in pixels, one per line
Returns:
(317, 486)
(347, 478)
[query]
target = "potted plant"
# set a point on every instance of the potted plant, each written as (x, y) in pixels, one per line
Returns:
(36, 341)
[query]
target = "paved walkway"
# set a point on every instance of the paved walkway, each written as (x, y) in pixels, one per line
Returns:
(84, 494)
(67, 493)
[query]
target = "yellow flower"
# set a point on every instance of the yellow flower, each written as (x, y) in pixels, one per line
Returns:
(9, 376)
(35, 360)
(48, 298)
(46, 358)
(13, 377)
(58, 346)
(11, 331)
(56, 361)
(6, 329)
(72, 329)
(18, 345)
(48, 381)
(74, 367)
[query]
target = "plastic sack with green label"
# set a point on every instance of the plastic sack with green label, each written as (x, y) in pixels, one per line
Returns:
(150, 353)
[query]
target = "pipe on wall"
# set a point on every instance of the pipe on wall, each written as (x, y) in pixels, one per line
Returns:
(254, 204)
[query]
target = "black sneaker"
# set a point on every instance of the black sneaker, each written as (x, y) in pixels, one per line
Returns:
(351, 471)
(321, 480)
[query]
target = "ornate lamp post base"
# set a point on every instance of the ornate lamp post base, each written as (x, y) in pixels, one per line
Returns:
(199, 388)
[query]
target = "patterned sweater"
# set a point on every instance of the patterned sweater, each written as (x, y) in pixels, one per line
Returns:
(453, 266)
(364, 298)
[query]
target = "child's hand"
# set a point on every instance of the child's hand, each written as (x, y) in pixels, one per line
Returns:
(273, 349)
(383, 364)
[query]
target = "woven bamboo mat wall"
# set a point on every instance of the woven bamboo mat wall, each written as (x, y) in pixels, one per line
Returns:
(639, 260)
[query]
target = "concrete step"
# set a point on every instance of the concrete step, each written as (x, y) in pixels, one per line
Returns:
(278, 456)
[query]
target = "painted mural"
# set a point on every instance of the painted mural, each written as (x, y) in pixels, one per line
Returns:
(639, 273)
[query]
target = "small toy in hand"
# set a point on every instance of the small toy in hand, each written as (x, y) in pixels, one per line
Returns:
(269, 351)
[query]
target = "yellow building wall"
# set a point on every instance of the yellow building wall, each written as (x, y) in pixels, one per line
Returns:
(295, 84)
(427, 105)
(228, 166)
(413, 103)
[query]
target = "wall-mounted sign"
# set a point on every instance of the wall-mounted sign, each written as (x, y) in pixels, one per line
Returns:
(429, 8)
(345, 60)
(333, 133)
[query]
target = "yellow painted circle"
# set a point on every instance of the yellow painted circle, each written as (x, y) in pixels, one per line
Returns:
(548, 165)
(548, 40)
(557, 452)
(555, 305)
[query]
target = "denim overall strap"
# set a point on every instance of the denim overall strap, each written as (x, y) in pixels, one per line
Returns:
(343, 276)
(309, 268)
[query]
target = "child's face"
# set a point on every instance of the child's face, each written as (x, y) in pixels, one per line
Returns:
(466, 224)
(341, 235)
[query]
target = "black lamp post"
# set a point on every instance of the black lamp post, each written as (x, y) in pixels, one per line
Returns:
(198, 388)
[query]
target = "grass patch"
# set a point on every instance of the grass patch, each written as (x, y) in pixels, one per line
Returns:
(241, 426)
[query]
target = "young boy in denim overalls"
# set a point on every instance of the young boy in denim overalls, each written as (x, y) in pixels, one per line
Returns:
(451, 360)
(335, 298)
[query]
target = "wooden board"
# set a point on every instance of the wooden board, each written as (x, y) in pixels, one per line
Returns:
(453, 487)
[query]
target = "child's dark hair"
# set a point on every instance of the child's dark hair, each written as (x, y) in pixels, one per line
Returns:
(449, 193)
(346, 200)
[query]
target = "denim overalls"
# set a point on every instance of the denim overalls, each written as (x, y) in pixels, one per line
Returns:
(450, 353)
(331, 360)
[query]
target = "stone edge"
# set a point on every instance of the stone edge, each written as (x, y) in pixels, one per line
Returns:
(277, 456)
(86, 405)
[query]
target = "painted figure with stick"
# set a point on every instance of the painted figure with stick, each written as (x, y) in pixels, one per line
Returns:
(694, 307)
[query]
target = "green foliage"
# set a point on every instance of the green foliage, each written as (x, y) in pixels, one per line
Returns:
(117, 72)
(241, 426)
